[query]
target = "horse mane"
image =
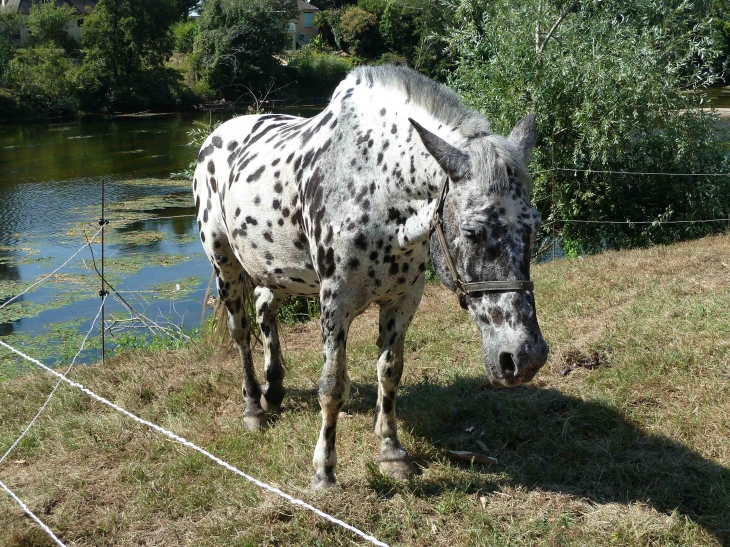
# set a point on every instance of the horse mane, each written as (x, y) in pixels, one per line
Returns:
(437, 99)
(496, 154)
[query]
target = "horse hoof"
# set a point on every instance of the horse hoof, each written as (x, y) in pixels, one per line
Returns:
(255, 422)
(399, 470)
(323, 480)
(269, 407)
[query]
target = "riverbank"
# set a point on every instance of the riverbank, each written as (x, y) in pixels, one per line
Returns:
(618, 441)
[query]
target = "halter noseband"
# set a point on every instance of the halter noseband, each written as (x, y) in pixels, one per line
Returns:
(462, 289)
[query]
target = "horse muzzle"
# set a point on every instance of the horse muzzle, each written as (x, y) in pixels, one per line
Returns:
(508, 367)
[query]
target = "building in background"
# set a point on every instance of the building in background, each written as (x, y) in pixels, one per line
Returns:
(302, 29)
(73, 29)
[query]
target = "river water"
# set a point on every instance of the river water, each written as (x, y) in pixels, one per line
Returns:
(50, 203)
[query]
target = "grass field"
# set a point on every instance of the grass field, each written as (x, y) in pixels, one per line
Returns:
(623, 438)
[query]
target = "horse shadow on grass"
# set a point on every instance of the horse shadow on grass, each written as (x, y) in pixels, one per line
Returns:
(546, 439)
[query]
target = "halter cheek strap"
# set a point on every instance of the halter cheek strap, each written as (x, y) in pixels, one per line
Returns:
(462, 289)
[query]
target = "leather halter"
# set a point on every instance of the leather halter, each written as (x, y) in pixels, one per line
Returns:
(462, 289)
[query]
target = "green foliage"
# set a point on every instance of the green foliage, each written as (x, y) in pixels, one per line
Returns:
(198, 133)
(9, 30)
(328, 23)
(48, 22)
(237, 41)
(126, 45)
(416, 29)
(359, 28)
(44, 79)
(299, 309)
(184, 33)
(319, 73)
(376, 7)
(721, 23)
(610, 88)
(317, 44)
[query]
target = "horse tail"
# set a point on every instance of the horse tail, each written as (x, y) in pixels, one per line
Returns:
(219, 326)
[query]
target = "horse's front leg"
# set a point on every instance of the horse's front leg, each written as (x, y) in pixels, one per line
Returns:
(267, 306)
(334, 384)
(395, 317)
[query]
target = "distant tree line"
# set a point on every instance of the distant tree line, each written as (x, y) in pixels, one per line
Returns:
(119, 65)
(616, 84)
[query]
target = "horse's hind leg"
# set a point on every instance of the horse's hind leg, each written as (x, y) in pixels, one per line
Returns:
(334, 384)
(232, 288)
(267, 306)
(395, 317)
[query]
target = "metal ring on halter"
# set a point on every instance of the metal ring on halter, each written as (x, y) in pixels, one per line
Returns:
(462, 289)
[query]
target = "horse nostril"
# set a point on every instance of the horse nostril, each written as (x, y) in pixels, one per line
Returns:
(507, 364)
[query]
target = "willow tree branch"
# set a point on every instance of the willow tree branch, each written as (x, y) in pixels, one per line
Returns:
(556, 25)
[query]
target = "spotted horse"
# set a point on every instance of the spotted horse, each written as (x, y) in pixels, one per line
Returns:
(350, 206)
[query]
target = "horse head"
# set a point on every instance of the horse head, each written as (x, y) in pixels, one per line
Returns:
(488, 226)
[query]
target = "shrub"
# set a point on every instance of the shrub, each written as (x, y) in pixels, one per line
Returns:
(359, 28)
(184, 33)
(44, 79)
(48, 22)
(319, 73)
(611, 88)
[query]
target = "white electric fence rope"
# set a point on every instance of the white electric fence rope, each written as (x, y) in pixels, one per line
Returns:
(30, 513)
(202, 451)
(48, 400)
(87, 244)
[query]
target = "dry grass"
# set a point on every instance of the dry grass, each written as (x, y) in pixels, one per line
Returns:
(635, 452)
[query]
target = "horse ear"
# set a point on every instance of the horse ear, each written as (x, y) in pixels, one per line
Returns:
(451, 159)
(524, 136)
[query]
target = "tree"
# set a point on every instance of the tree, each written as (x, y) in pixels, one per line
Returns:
(48, 22)
(44, 80)
(416, 30)
(9, 29)
(359, 28)
(617, 84)
(126, 44)
(237, 42)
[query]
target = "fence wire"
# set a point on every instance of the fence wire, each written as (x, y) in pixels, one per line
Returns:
(63, 377)
(32, 515)
(185, 442)
(46, 277)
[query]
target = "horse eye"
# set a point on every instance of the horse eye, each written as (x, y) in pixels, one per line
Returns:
(471, 232)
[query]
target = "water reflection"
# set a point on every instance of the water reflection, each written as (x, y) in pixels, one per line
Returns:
(50, 181)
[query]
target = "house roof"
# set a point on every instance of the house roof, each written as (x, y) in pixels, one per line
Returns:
(306, 6)
(23, 6)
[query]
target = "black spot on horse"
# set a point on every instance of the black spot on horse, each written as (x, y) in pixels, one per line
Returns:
(217, 142)
(205, 152)
(256, 174)
(252, 221)
(382, 111)
(361, 241)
